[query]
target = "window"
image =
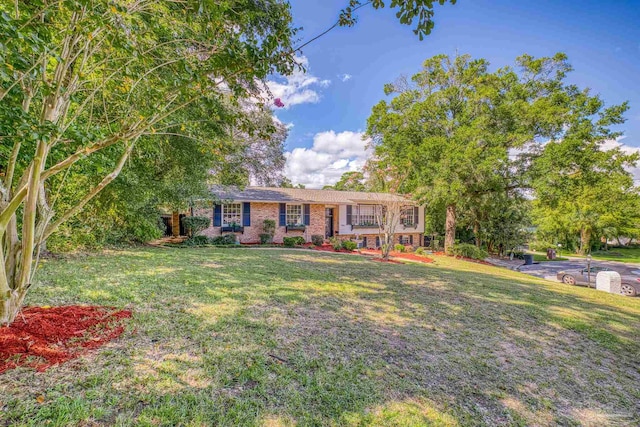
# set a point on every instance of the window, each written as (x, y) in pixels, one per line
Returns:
(407, 217)
(406, 240)
(232, 214)
(294, 215)
(366, 215)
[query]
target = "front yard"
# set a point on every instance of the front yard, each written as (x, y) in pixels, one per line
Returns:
(631, 255)
(243, 337)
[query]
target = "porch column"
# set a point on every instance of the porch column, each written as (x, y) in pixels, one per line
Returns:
(175, 223)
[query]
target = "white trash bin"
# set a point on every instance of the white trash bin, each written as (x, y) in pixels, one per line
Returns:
(609, 281)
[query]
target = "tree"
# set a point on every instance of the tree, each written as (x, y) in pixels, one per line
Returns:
(81, 79)
(420, 11)
(451, 127)
(584, 190)
(349, 181)
(286, 183)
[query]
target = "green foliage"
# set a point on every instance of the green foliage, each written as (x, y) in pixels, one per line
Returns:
(420, 11)
(317, 239)
(269, 227)
(349, 181)
(293, 241)
(420, 251)
(399, 247)
(265, 238)
(197, 241)
(451, 129)
(223, 240)
(542, 245)
(336, 243)
(194, 225)
(468, 251)
(286, 183)
(349, 245)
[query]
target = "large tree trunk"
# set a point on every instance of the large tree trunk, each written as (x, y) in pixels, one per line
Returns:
(10, 306)
(585, 240)
(450, 228)
(476, 232)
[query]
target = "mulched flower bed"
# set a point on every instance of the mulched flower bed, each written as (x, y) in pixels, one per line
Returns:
(329, 248)
(400, 255)
(41, 337)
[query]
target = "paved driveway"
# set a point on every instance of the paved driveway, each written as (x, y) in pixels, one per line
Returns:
(549, 270)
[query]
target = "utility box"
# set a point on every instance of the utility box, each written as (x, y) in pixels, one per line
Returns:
(609, 281)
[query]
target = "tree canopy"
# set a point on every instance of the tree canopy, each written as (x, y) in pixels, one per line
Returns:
(471, 141)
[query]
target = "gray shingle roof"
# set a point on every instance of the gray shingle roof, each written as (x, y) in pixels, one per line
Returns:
(302, 195)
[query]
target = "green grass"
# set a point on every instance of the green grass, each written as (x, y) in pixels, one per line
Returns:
(259, 337)
(631, 255)
(543, 258)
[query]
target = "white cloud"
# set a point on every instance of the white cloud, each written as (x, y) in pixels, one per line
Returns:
(628, 149)
(298, 88)
(345, 77)
(331, 155)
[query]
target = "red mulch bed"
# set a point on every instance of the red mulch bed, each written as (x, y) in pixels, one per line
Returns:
(400, 255)
(42, 337)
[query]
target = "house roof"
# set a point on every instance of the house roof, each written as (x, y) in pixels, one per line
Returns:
(303, 195)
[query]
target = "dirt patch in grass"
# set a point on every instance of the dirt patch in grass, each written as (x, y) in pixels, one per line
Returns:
(41, 337)
(390, 261)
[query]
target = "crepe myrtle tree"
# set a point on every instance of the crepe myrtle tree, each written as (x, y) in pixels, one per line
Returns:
(388, 216)
(86, 78)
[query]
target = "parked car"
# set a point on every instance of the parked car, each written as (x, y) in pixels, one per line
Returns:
(630, 285)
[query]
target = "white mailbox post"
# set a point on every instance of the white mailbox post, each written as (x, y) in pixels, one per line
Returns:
(609, 281)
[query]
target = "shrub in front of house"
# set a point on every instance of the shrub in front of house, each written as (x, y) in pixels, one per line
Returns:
(293, 241)
(268, 230)
(335, 243)
(317, 239)
(197, 241)
(265, 238)
(349, 245)
(420, 251)
(225, 239)
(399, 248)
(469, 251)
(194, 225)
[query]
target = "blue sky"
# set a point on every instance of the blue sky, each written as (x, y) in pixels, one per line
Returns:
(327, 107)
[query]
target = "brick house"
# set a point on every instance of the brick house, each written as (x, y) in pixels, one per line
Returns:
(305, 212)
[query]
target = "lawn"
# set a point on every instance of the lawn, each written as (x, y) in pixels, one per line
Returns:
(543, 258)
(259, 337)
(619, 254)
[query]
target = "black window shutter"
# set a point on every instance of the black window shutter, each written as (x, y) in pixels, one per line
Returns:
(307, 214)
(349, 212)
(377, 241)
(411, 239)
(283, 214)
(364, 242)
(246, 214)
(217, 215)
(415, 216)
